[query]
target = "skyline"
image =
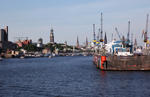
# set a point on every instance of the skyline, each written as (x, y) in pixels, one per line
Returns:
(72, 18)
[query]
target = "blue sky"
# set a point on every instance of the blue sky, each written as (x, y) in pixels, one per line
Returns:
(69, 18)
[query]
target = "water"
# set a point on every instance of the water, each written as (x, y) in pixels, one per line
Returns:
(68, 77)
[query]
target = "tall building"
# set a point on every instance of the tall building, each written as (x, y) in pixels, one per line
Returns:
(4, 43)
(3, 37)
(51, 35)
(4, 34)
(77, 44)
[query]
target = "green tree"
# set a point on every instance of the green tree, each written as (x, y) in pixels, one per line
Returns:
(30, 47)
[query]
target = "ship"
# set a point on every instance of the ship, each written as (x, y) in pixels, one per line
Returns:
(121, 54)
(115, 57)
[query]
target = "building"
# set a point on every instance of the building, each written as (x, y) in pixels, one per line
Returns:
(22, 43)
(51, 35)
(4, 43)
(4, 34)
(40, 43)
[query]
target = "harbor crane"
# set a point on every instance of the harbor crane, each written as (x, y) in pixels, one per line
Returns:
(118, 33)
(101, 38)
(128, 34)
(122, 39)
(146, 30)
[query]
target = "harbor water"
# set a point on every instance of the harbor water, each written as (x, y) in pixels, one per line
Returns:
(68, 77)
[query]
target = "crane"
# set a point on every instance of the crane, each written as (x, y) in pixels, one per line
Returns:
(101, 38)
(122, 39)
(146, 30)
(118, 33)
(94, 32)
(128, 35)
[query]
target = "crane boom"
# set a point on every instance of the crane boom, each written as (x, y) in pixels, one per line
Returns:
(118, 33)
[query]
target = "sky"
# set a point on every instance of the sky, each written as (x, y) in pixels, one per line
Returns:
(72, 18)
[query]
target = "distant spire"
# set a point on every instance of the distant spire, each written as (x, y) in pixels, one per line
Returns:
(51, 35)
(86, 42)
(52, 29)
(105, 39)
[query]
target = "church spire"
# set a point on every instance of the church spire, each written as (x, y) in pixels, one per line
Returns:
(77, 45)
(105, 39)
(51, 35)
(86, 42)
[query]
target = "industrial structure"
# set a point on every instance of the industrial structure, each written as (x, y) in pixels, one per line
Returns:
(101, 37)
(94, 35)
(4, 43)
(145, 33)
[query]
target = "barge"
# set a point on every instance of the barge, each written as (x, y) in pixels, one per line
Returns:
(135, 62)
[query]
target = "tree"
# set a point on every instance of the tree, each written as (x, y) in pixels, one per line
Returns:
(30, 47)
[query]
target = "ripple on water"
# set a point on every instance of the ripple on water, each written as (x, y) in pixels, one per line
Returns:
(68, 77)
